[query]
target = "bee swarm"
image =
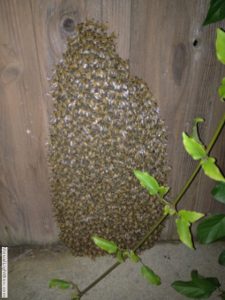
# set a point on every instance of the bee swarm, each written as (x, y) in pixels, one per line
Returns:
(105, 124)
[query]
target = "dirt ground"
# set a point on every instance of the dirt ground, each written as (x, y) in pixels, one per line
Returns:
(30, 269)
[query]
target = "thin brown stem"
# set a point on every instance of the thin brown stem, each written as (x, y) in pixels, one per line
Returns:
(109, 270)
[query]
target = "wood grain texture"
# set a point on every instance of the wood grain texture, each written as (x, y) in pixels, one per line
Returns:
(166, 46)
(25, 207)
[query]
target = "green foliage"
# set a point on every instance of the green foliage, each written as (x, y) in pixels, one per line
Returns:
(163, 190)
(221, 259)
(221, 90)
(183, 224)
(196, 150)
(112, 248)
(195, 129)
(211, 229)
(220, 45)
(190, 216)
(148, 182)
(119, 256)
(218, 192)
(105, 245)
(149, 274)
(169, 210)
(133, 256)
(198, 287)
(211, 170)
(59, 283)
(183, 230)
(216, 12)
(193, 148)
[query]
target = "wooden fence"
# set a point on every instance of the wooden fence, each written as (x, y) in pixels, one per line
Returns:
(166, 46)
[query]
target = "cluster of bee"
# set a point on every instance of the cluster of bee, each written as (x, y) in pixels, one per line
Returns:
(105, 123)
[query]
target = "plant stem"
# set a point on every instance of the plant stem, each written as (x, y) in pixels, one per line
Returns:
(109, 270)
(193, 175)
(163, 201)
(163, 217)
(153, 228)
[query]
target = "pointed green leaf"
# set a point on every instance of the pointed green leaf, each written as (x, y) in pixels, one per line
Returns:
(151, 277)
(218, 192)
(221, 90)
(193, 148)
(198, 288)
(169, 210)
(183, 230)
(216, 12)
(211, 170)
(104, 244)
(147, 182)
(220, 45)
(163, 190)
(59, 283)
(211, 229)
(194, 134)
(133, 256)
(221, 259)
(190, 216)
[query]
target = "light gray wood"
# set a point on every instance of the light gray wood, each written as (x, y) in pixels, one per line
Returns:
(26, 214)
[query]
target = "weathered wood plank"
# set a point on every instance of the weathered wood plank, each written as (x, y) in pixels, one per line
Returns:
(25, 209)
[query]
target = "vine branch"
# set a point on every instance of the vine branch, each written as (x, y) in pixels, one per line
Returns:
(163, 217)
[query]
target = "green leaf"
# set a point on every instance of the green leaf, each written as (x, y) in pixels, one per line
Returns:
(194, 134)
(133, 256)
(106, 245)
(163, 190)
(59, 283)
(147, 182)
(169, 210)
(198, 288)
(211, 229)
(190, 216)
(220, 45)
(221, 90)
(151, 277)
(216, 12)
(193, 148)
(183, 230)
(218, 192)
(211, 170)
(119, 256)
(221, 259)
